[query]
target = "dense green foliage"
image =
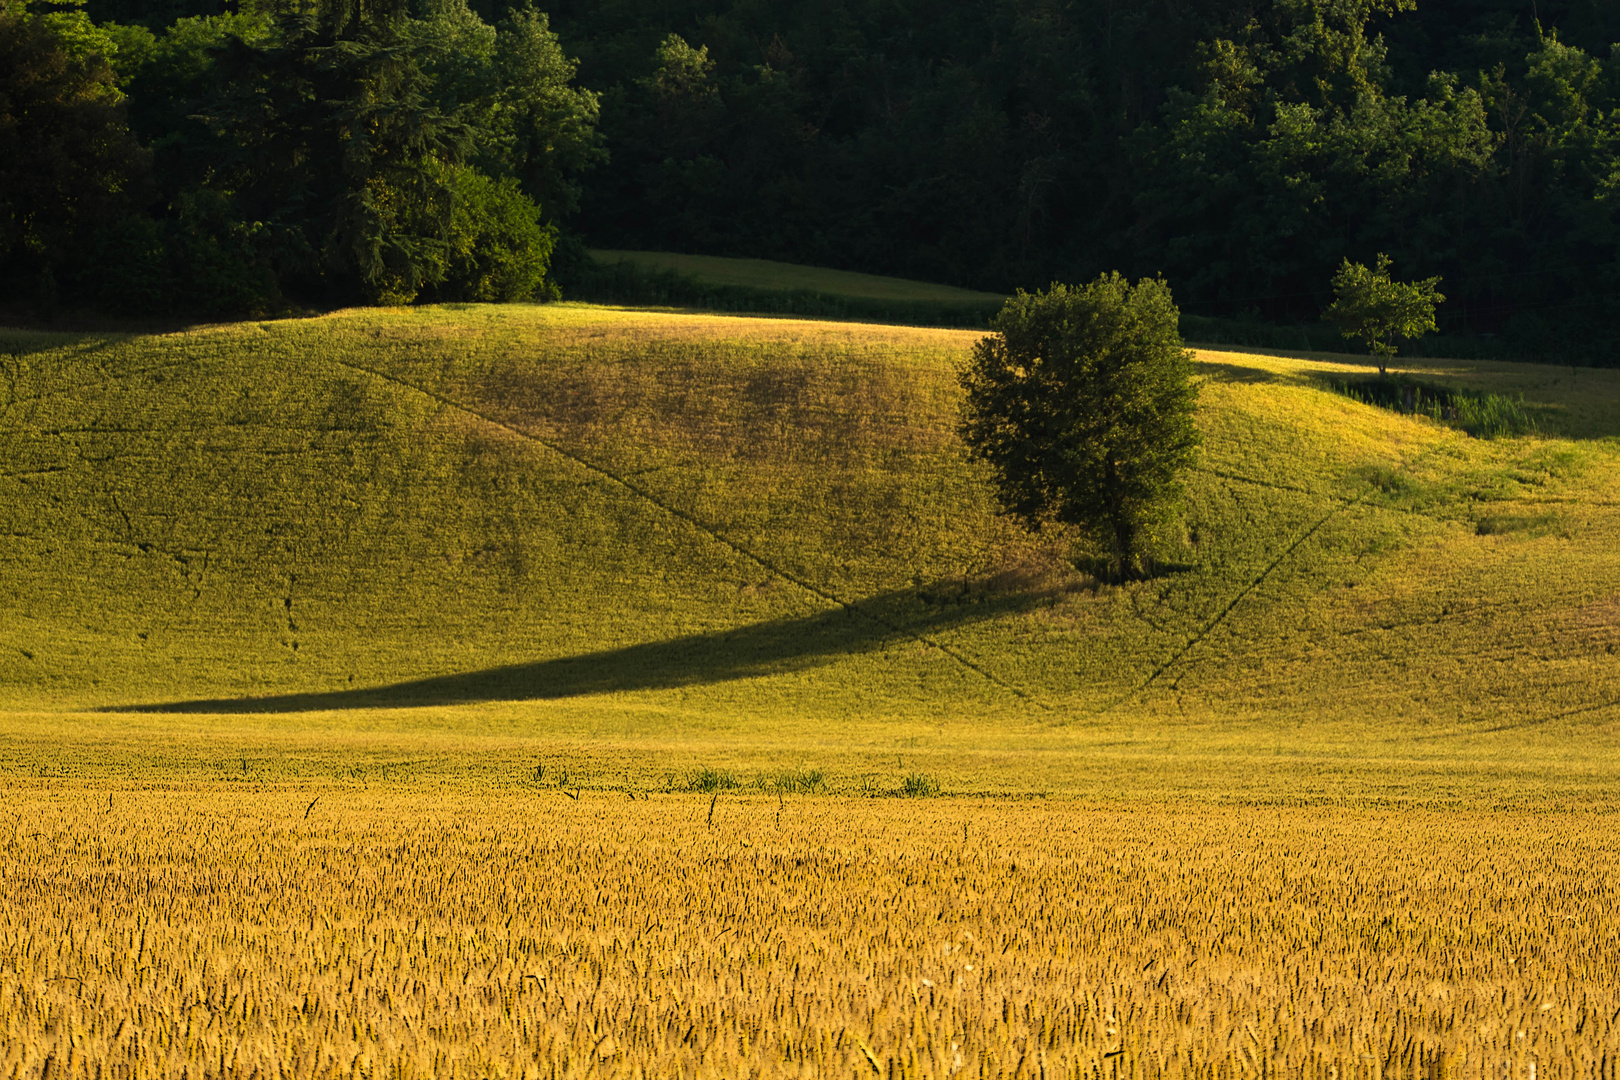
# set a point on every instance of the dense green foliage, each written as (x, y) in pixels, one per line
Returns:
(1379, 311)
(1081, 402)
(324, 153)
(68, 166)
(1242, 148)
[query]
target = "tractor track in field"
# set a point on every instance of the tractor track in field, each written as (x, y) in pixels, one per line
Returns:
(623, 481)
(1272, 484)
(1329, 496)
(1220, 617)
(1519, 725)
(1343, 504)
(1563, 714)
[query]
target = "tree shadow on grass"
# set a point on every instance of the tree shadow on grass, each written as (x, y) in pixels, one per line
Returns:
(1245, 374)
(16, 343)
(770, 648)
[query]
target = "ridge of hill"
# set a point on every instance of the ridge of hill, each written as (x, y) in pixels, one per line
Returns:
(763, 287)
(759, 541)
(788, 277)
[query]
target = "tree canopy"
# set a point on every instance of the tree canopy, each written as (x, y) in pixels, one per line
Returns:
(1379, 311)
(68, 163)
(1081, 403)
(1242, 148)
(331, 152)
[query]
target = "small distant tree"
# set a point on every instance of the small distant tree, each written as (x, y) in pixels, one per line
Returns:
(1081, 402)
(1369, 306)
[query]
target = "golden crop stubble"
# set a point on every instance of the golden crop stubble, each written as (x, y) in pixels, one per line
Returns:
(399, 933)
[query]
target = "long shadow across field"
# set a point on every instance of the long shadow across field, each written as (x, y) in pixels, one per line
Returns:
(768, 648)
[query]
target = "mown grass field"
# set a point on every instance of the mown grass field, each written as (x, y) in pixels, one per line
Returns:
(574, 520)
(373, 663)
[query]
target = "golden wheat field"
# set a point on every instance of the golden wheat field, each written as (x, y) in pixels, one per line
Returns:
(208, 932)
(533, 691)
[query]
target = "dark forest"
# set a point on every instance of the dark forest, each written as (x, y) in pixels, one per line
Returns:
(189, 156)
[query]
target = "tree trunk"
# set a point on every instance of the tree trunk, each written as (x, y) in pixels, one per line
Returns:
(1124, 547)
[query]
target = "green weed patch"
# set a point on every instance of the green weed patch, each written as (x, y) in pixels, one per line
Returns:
(710, 780)
(919, 786)
(1482, 415)
(799, 781)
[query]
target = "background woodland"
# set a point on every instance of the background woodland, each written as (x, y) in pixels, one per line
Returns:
(222, 159)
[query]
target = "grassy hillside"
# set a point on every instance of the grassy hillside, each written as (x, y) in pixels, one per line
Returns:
(437, 692)
(658, 540)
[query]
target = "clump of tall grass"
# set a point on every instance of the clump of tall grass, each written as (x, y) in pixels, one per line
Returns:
(1482, 415)
(793, 782)
(919, 786)
(707, 780)
(1490, 416)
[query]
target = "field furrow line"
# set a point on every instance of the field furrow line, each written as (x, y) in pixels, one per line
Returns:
(966, 662)
(1272, 484)
(1564, 714)
(1224, 612)
(1208, 628)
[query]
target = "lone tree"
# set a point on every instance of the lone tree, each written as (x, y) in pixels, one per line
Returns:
(1081, 402)
(1371, 307)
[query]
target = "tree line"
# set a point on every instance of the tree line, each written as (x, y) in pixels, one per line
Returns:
(1242, 149)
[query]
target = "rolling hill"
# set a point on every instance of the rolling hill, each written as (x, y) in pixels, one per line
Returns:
(661, 537)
